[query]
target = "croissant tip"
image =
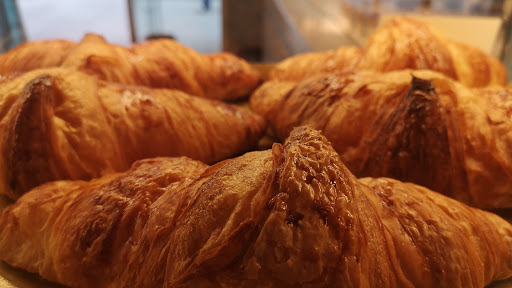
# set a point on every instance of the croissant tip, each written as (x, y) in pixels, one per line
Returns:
(309, 159)
(418, 83)
(28, 130)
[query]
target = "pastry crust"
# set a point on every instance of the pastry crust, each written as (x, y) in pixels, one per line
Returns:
(161, 63)
(401, 43)
(286, 217)
(412, 125)
(63, 124)
(34, 55)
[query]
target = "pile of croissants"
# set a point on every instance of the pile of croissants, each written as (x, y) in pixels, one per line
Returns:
(143, 166)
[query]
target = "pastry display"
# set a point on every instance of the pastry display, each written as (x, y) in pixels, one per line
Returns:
(385, 165)
(287, 217)
(58, 123)
(401, 43)
(412, 125)
(160, 63)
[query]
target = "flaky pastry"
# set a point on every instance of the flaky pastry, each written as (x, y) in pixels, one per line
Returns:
(291, 216)
(160, 63)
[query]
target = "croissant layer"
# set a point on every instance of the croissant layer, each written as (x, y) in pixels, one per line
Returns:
(63, 124)
(286, 217)
(412, 125)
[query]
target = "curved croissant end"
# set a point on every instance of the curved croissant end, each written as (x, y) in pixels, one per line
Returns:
(28, 139)
(416, 134)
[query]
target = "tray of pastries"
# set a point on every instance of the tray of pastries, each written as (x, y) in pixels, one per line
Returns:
(385, 165)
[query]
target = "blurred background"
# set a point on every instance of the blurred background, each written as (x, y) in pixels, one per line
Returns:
(187, 20)
(257, 30)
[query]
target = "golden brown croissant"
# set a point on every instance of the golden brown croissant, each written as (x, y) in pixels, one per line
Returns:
(401, 43)
(416, 126)
(161, 63)
(291, 216)
(33, 55)
(63, 124)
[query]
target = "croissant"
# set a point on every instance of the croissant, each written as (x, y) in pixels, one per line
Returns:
(33, 55)
(62, 124)
(400, 43)
(161, 63)
(287, 217)
(416, 126)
